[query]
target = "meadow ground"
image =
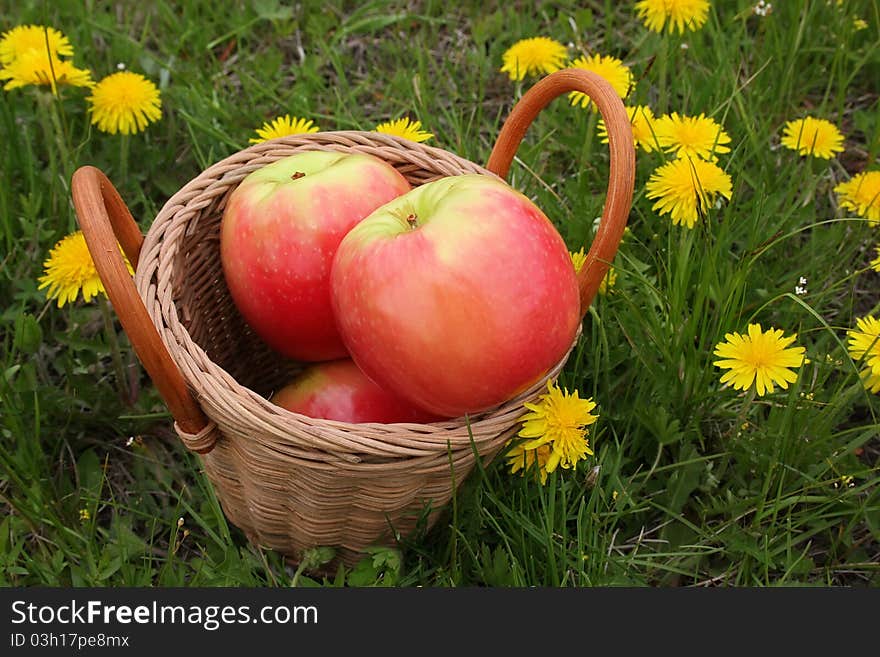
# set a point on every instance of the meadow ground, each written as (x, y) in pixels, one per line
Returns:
(693, 481)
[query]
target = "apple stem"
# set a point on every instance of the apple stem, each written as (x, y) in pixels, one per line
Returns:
(411, 220)
(297, 175)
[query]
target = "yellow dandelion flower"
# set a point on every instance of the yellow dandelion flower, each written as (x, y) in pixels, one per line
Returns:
(559, 420)
(642, 121)
(405, 128)
(21, 39)
(282, 127)
(84, 515)
(695, 136)
(686, 188)
(875, 263)
(41, 68)
(533, 57)
(761, 357)
(673, 14)
(124, 102)
(864, 343)
(578, 258)
(70, 269)
(871, 381)
(615, 72)
(812, 136)
(524, 460)
(608, 282)
(864, 346)
(862, 194)
(859, 24)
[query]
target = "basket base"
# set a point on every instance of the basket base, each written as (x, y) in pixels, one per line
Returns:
(307, 512)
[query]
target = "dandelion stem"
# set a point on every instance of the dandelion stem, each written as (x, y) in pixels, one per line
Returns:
(61, 138)
(299, 571)
(587, 147)
(662, 69)
(63, 129)
(57, 143)
(747, 404)
(46, 127)
(115, 353)
(123, 157)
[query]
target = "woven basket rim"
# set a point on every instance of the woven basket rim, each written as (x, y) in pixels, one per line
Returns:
(206, 378)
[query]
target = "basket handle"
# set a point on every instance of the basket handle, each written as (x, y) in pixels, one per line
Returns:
(622, 174)
(104, 219)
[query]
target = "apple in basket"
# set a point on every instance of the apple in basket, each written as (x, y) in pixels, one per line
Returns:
(457, 295)
(278, 236)
(338, 390)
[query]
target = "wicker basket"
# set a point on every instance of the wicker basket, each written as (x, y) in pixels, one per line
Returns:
(292, 482)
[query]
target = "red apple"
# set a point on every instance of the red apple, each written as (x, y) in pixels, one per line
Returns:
(457, 295)
(278, 236)
(338, 390)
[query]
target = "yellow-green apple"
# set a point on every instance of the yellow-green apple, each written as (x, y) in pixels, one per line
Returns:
(278, 236)
(338, 390)
(457, 295)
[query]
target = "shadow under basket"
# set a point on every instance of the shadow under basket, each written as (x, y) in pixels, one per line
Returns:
(288, 481)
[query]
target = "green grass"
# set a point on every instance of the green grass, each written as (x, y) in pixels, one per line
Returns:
(692, 483)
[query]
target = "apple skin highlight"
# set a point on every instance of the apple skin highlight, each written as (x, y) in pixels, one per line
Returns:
(278, 236)
(457, 295)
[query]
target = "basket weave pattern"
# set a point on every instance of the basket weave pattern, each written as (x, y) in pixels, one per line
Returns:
(280, 475)
(292, 482)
